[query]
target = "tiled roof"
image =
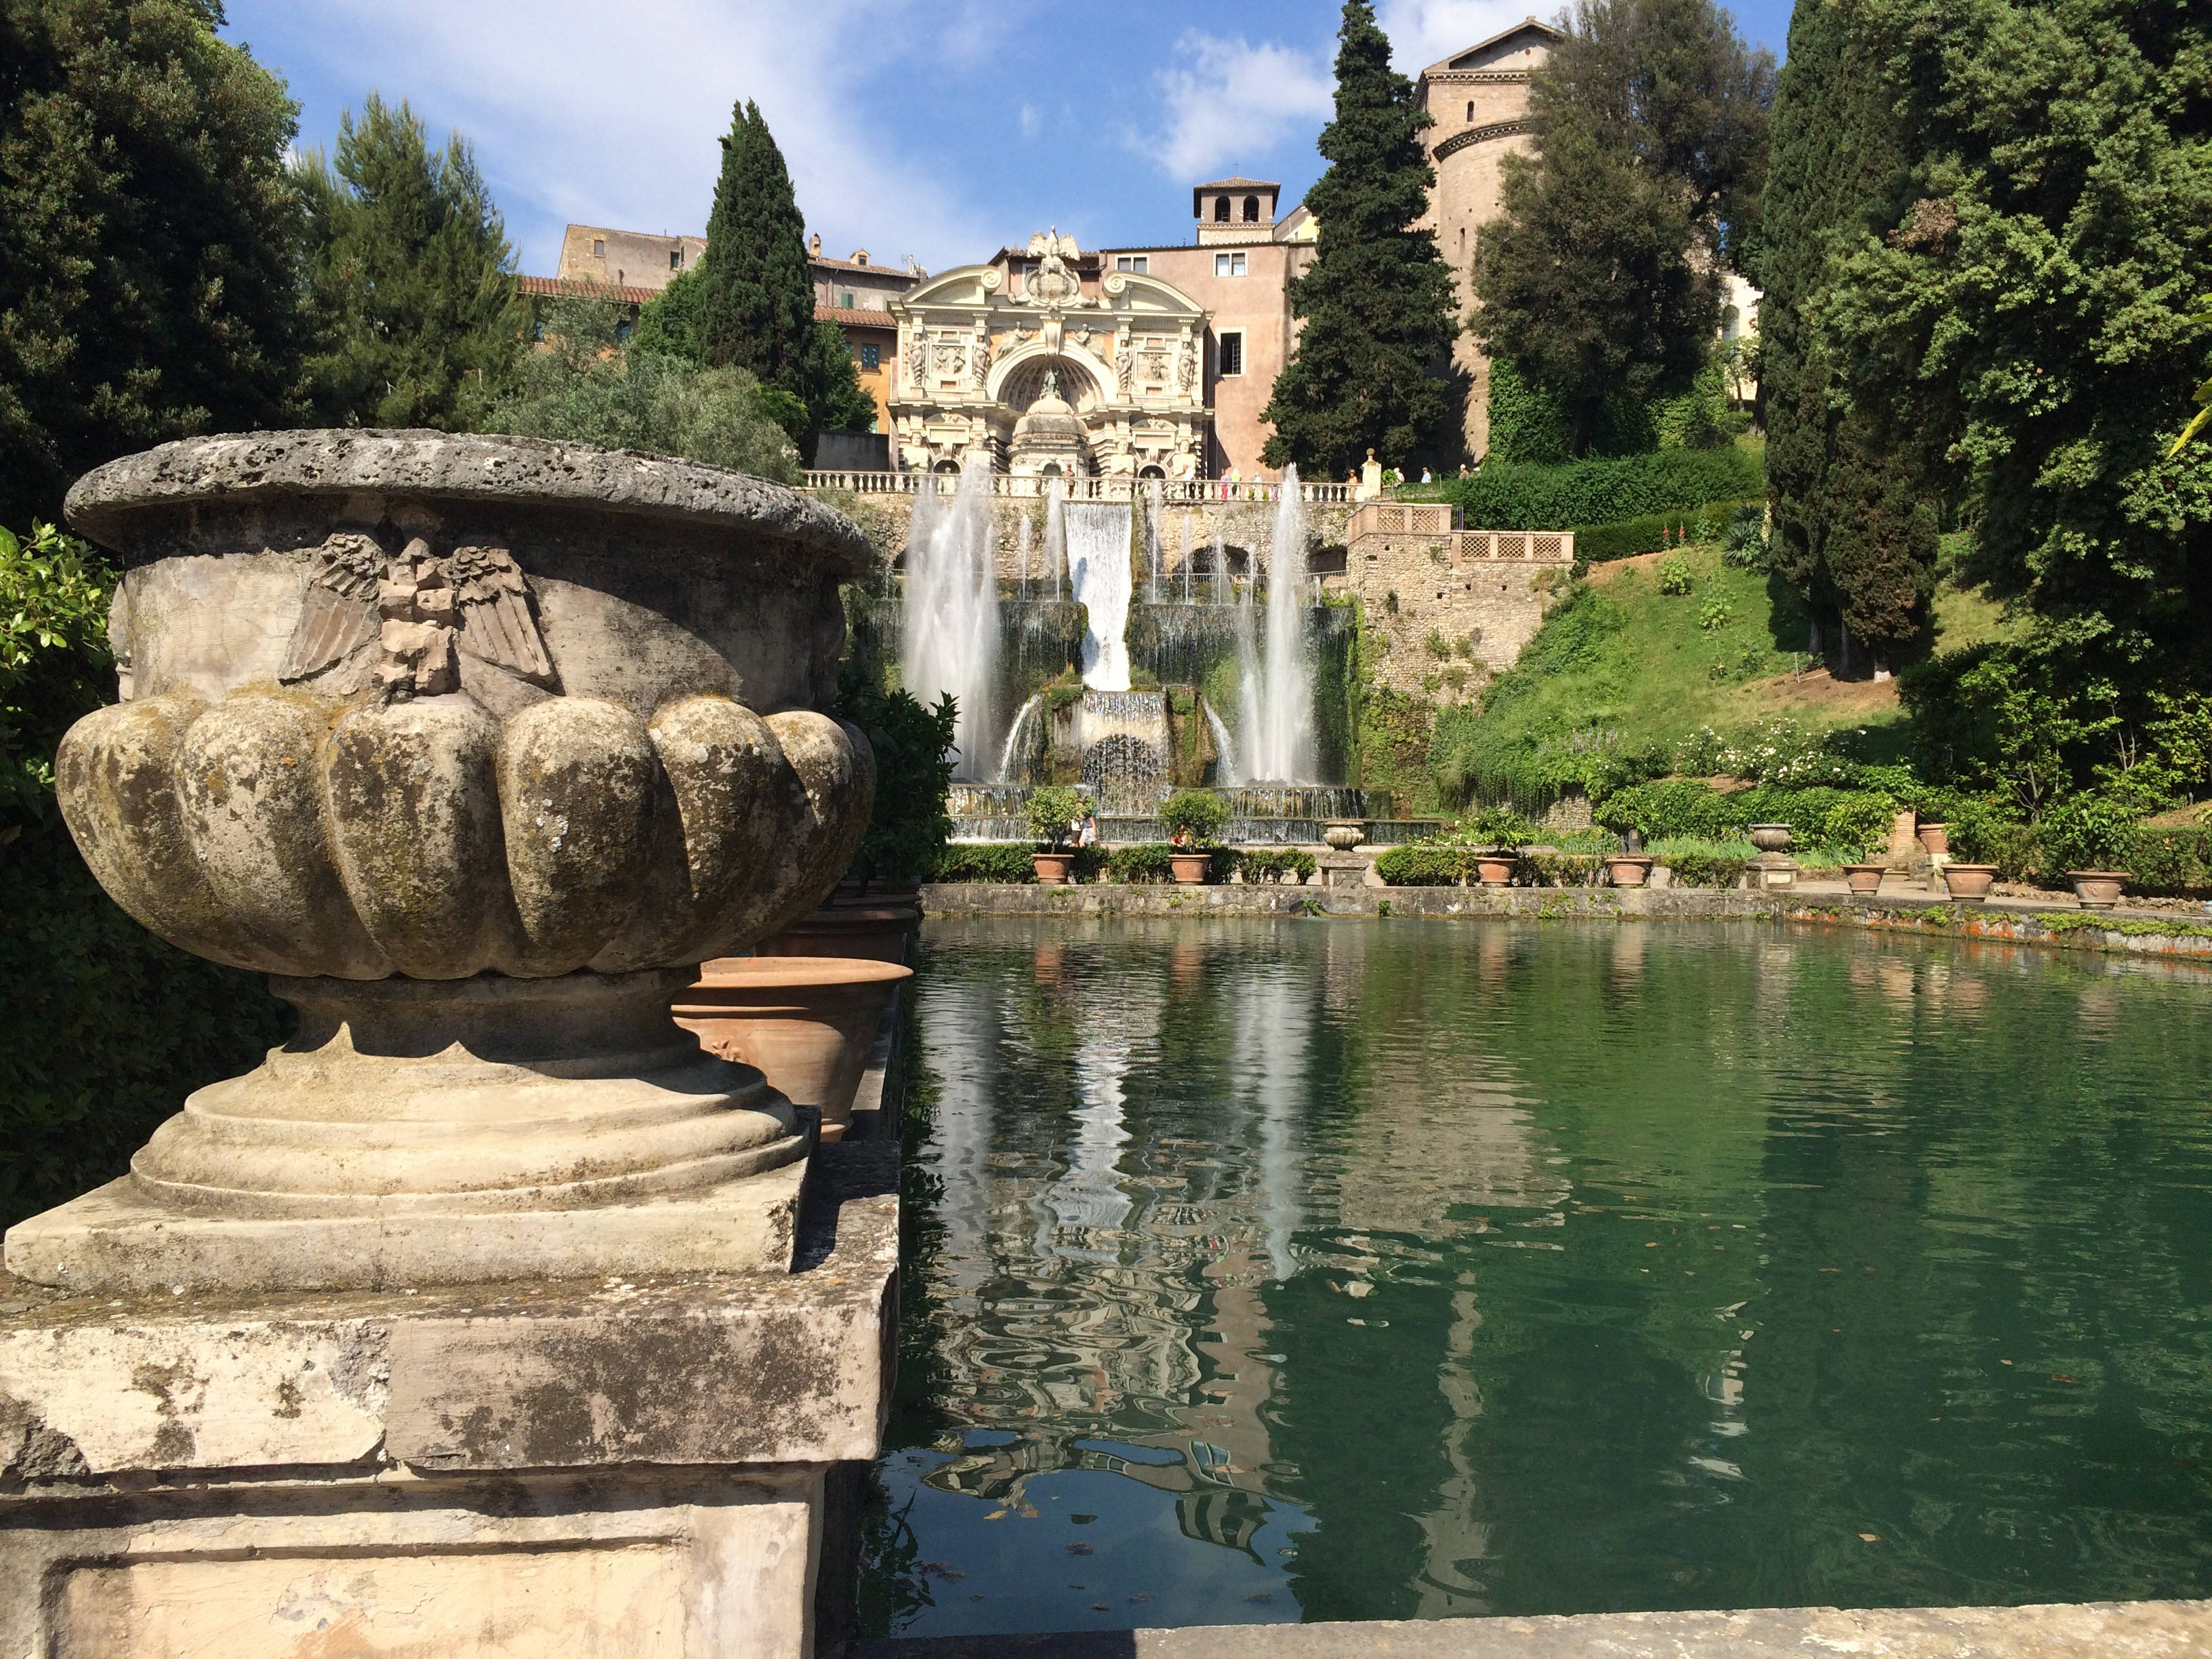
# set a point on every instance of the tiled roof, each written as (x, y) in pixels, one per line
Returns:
(898, 272)
(574, 287)
(854, 316)
(1239, 183)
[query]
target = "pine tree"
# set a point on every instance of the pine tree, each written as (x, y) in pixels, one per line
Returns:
(1598, 282)
(753, 305)
(1850, 531)
(410, 275)
(1377, 300)
(148, 289)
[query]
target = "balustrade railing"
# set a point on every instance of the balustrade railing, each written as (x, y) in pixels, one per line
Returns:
(1174, 492)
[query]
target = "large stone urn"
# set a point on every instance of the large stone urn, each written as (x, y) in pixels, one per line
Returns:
(475, 746)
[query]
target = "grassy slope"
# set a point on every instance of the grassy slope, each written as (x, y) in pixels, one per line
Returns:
(1656, 674)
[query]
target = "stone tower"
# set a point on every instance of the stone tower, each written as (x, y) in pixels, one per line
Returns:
(1479, 100)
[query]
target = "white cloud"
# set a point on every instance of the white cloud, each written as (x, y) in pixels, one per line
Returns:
(580, 112)
(1226, 100)
(1423, 32)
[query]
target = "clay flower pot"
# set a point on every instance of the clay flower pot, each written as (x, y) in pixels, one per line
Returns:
(1495, 869)
(1628, 869)
(1342, 834)
(1054, 869)
(808, 1023)
(1969, 884)
(1770, 837)
(455, 735)
(2098, 890)
(1935, 840)
(880, 933)
(1191, 869)
(1864, 878)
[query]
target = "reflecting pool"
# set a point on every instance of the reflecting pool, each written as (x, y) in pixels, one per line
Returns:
(1301, 1269)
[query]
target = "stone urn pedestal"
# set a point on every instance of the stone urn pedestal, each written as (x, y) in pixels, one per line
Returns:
(477, 1319)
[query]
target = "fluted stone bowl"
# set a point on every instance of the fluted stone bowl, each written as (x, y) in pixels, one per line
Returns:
(412, 703)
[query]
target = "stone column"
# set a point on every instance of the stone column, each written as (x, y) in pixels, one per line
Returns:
(478, 1318)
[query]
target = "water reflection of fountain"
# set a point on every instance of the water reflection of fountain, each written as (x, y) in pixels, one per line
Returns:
(952, 617)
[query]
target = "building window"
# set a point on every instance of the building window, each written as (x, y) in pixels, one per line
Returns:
(1251, 210)
(1232, 353)
(675, 258)
(1221, 209)
(600, 248)
(1229, 264)
(1139, 263)
(846, 300)
(1470, 109)
(872, 357)
(622, 329)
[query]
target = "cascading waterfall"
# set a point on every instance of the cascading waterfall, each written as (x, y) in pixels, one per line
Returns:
(1226, 773)
(1153, 507)
(952, 632)
(1024, 589)
(1098, 574)
(1186, 558)
(1056, 536)
(1220, 572)
(1276, 719)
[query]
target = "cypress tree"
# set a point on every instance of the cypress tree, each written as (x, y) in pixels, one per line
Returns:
(1850, 533)
(1377, 300)
(149, 289)
(410, 275)
(753, 305)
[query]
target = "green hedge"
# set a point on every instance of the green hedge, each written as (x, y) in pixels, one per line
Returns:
(1845, 820)
(1274, 863)
(2166, 862)
(1510, 496)
(1428, 864)
(1597, 544)
(994, 861)
(1141, 864)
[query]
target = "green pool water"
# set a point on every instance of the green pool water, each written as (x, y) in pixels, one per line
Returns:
(1309, 1269)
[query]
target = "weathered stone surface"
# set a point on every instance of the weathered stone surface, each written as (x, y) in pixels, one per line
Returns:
(2094, 1630)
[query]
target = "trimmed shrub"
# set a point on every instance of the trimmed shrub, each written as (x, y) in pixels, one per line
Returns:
(1429, 863)
(1702, 864)
(1147, 863)
(1839, 820)
(1564, 869)
(1272, 863)
(1510, 496)
(1654, 532)
(984, 861)
(2172, 861)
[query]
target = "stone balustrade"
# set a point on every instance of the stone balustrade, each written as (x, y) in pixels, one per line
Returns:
(1174, 492)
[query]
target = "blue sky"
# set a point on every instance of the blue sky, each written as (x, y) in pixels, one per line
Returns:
(941, 129)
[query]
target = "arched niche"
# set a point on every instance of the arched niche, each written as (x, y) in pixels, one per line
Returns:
(1018, 378)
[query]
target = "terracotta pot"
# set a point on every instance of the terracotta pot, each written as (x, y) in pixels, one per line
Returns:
(1496, 869)
(1864, 878)
(808, 1023)
(1935, 840)
(2098, 890)
(1770, 837)
(1629, 869)
(1191, 869)
(835, 930)
(1969, 884)
(1054, 869)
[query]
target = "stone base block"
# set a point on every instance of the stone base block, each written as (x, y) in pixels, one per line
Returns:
(631, 1467)
(116, 1242)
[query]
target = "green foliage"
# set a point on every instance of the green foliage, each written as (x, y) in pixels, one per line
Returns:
(149, 289)
(1506, 496)
(585, 387)
(1491, 827)
(109, 1027)
(1145, 864)
(2091, 830)
(1195, 812)
(989, 861)
(1674, 576)
(1701, 863)
(409, 276)
(668, 324)
(2021, 322)
(1602, 543)
(1377, 299)
(1527, 423)
(1276, 863)
(1853, 821)
(1743, 545)
(1650, 124)
(751, 304)
(913, 748)
(1714, 615)
(1052, 808)
(1426, 864)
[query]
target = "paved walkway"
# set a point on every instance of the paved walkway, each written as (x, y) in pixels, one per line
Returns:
(2108, 1630)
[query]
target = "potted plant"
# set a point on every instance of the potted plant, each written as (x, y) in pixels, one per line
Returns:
(1053, 811)
(2088, 836)
(1193, 819)
(1864, 878)
(1498, 832)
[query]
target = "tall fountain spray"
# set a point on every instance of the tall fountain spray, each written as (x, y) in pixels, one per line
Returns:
(1278, 714)
(1098, 572)
(1056, 536)
(951, 622)
(1186, 558)
(1220, 571)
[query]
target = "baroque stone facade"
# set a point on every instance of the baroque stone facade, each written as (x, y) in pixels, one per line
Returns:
(1120, 352)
